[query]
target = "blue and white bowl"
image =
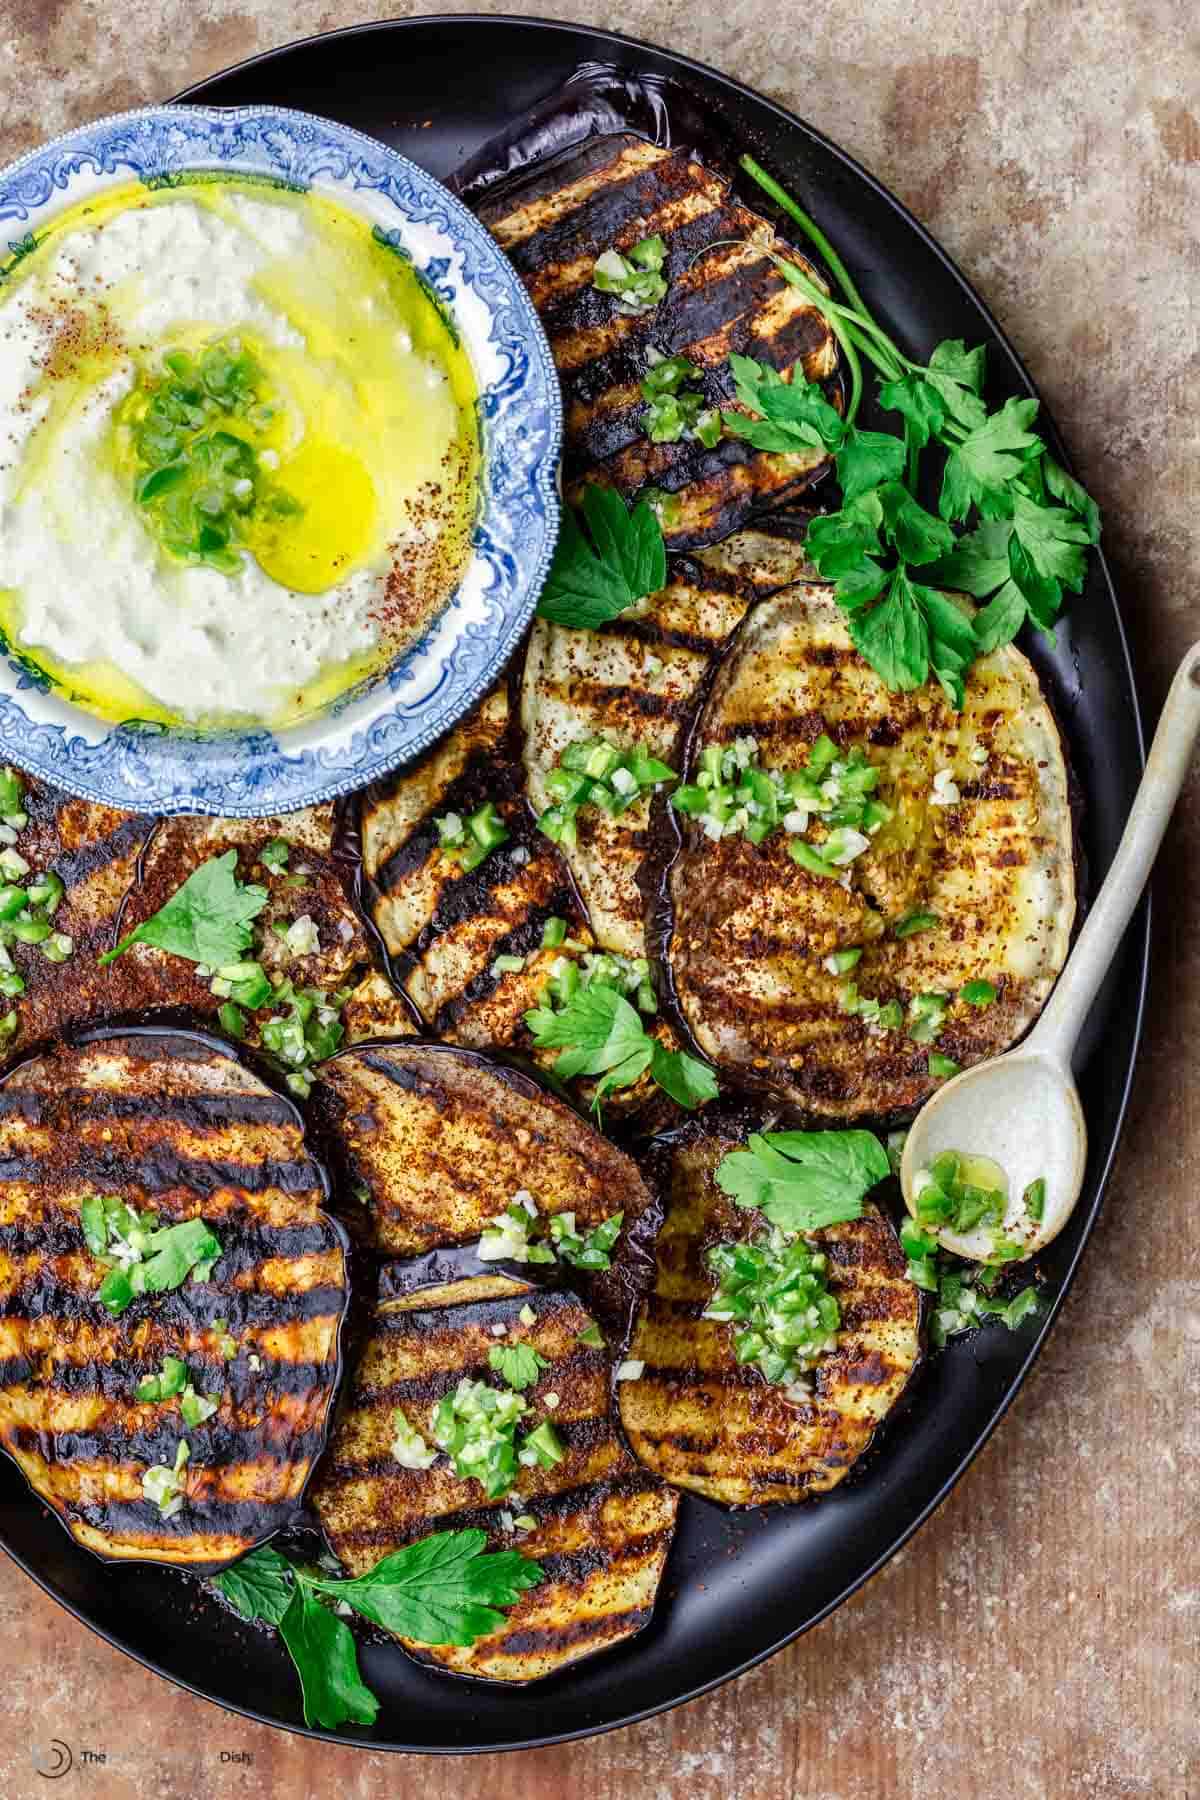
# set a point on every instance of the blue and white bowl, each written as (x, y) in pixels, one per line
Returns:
(365, 733)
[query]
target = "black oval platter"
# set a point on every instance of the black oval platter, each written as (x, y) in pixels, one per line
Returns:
(738, 1586)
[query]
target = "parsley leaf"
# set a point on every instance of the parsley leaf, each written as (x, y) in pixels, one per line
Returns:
(517, 1364)
(323, 1649)
(978, 562)
(587, 586)
(1051, 538)
(795, 415)
(207, 919)
(688, 1081)
(921, 405)
(260, 1586)
(916, 535)
(912, 629)
(439, 1590)
(1064, 487)
(868, 458)
(838, 542)
(991, 456)
(804, 1180)
(602, 1034)
(956, 376)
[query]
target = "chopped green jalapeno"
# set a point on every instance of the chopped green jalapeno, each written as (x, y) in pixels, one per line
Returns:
(636, 280)
(978, 993)
(197, 481)
(915, 922)
(595, 772)
(476, 1427)
(732, 793)
(960, 1193)
(774, 1294)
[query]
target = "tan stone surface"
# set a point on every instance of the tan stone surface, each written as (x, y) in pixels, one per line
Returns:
(1039, 1636)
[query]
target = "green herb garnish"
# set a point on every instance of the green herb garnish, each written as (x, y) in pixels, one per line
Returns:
(677, 408)
(946, 1200)
(601, 1034)
(636, 280)
(207, 920)
(774, 1294)
(467, 841)
(591, 582)
(590, 1251)
(597, 773)
(518, 1365)
(732, 793)
(199, 481)
(804, 1180)
(170, 1380)
(1023, 550)
(1034, 1199)
(143, 1257)
(443, 1589)
(476, 1427)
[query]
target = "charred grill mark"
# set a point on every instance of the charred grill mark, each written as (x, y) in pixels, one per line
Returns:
(244, 1309)
(474, 784)
(521, 940)
(198, 1112)
(695, 307)
(243, 1245)
(542, 192)
(649, 631)
(117, 1380)
(582, 1630)
(620, 697)
(431, 1387)
(218, 1442)
(587, 1498)
(616, 215)
(207, 1516)
(161, 1171)
(75, 866)
(577, 1434)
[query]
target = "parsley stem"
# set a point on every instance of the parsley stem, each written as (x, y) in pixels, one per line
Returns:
(808, 226)
(850, 328)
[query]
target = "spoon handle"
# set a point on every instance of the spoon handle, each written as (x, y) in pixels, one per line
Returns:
(1166, 769)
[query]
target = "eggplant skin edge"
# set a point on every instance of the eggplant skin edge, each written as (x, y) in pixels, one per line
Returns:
(208, 1137)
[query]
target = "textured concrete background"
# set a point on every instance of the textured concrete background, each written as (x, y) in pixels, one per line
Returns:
(1038, 1639)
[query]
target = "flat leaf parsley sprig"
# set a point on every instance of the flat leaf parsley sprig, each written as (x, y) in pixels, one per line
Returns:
(998, 476)
(440, 1590)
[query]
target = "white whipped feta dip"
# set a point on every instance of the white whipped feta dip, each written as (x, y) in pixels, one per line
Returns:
(92, 583)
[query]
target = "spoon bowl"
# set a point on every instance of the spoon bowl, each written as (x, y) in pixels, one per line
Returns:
(1021, 1110)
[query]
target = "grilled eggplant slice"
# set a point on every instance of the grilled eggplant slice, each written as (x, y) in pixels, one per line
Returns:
(707, 1423)
(119, 868)
(635, 681)
(725, 294)
(442, 928)
(308, 885)
(94, 851)
(433, 1142)
(175, 1125)
(602, 1526)
(987, 852)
